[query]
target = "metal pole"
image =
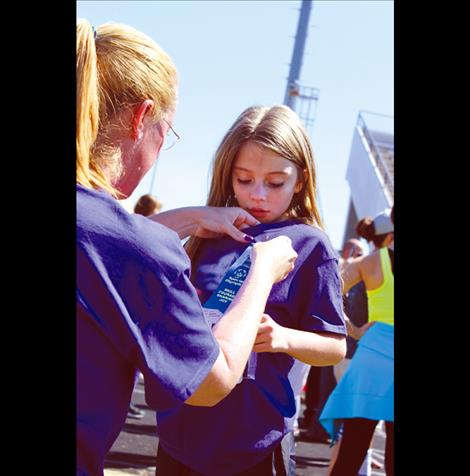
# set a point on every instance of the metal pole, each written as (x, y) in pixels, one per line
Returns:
(298, 53)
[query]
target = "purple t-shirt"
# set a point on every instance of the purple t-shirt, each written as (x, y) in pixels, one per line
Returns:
(136, 309)
(243, 428)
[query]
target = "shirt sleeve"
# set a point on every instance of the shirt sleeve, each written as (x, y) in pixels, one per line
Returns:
(317, 290)
(176, 346)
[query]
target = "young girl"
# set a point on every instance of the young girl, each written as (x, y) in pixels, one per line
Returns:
(265, 166)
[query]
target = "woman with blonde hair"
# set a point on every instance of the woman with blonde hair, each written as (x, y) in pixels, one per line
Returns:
(136, 308)
(264, 165)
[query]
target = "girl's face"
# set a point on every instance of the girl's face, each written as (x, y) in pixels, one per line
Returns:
(264, 182)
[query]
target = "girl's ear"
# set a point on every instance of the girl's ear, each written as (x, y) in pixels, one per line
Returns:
(299, 185)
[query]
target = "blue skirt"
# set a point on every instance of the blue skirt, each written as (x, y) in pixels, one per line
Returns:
(366, 388)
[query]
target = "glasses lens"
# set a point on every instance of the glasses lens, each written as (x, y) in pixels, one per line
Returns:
(170, 138)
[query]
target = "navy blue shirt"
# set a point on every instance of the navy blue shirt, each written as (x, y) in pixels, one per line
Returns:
(136, 309)
(243, 428)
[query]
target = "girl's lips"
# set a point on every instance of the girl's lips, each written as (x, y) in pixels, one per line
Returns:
(258, 211)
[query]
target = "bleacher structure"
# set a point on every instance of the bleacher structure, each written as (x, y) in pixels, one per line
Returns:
(370, 171)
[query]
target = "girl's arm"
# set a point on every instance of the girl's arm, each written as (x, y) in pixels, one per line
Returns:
(318, 349)
(235, 332)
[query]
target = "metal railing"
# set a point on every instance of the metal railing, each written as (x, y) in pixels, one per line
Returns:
(303, 100)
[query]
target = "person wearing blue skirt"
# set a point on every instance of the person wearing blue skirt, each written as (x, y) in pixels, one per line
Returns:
(365, 393)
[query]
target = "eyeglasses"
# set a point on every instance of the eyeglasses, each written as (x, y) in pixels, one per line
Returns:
(171, 137)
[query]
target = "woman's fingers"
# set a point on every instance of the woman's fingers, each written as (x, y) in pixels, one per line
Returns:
(244, 219)
(237, 220)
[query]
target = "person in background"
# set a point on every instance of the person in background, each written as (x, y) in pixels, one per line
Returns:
(264, 164)
(136, 308)
(147, 205)
(364, 395)
(355, 301)
(355, 307)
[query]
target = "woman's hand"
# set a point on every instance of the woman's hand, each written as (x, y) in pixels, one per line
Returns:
(214, 222)
(270, 337)
(207, 222)
(277, 257)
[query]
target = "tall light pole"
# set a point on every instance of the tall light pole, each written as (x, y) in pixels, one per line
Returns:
(300, 98)
(298, 54)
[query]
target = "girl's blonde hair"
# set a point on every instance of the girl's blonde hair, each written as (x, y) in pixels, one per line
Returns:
(118, 67)
(277, 128)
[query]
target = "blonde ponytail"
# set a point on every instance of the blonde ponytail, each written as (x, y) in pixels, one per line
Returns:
(89, 174)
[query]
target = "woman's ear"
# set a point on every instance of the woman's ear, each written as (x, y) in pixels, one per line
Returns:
(138, 119)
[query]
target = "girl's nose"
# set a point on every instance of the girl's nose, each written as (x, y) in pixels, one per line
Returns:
(258, 192)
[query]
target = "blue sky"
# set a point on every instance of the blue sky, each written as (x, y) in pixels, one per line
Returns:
(233, 54)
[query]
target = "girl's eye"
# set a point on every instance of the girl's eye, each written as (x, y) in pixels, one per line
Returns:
(269, 184)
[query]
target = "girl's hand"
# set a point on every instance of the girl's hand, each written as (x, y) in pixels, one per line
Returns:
(270, 337)
(214, 222)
